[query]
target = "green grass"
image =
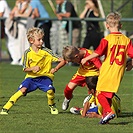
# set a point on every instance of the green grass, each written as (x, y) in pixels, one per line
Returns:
(31, 114)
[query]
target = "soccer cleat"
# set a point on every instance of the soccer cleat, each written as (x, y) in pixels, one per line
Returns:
(53, 109)
(65, 104)
(107, 118)
(75, 110)
(4, 112)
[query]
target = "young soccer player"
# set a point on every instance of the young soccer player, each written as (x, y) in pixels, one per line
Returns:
(91, 107)
(37, 63)
(115, 47)
(90, 68)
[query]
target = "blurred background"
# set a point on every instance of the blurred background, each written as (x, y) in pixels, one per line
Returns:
(125, 7)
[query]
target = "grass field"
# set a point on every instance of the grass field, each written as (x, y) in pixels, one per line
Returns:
(31, 114)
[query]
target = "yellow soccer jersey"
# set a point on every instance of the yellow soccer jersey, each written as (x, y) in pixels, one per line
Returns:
(115, 47)
(43, 59)
(90, 68)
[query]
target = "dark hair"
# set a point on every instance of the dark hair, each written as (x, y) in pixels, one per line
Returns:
(95, 3)
(91, 82)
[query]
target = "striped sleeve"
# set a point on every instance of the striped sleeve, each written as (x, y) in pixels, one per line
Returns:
(50, 52)
(25, 58)
(90, 98)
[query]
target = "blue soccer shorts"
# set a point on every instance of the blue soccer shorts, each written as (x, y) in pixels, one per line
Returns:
(43, 83)
(95, 109)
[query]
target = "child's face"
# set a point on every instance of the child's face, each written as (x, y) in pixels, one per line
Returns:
(38, 41)
(76, 59)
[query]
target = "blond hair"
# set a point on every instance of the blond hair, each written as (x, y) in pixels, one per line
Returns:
(69, 52)
(113, 19)
(34, 31)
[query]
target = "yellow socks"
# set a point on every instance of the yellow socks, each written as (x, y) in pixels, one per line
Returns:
(13, 100)
(50, 96)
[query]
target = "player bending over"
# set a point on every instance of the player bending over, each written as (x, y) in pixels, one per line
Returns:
(90, 68)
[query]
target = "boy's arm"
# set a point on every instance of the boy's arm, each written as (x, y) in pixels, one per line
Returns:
(86, 107)
(101, 50)
(26, 67)
(62, 62)
(34, 69)
(97, 62)
(93, 115)
(84, 60)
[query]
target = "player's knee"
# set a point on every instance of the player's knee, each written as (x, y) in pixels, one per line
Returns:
(23, 90)
(50, 94)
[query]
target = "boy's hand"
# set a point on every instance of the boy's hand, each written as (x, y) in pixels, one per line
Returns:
(53, 70)
(83, 61)
(93, 115)
(36, 69)
(129, 65)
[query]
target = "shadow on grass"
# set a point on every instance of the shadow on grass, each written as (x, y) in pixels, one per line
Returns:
(126, 114)
(65, 112)
(121, 123)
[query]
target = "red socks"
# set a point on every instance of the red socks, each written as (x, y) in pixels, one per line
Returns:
(68, 92)
(105, 103)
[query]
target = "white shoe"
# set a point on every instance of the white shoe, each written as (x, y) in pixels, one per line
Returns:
(65, 104)
(14, 63)
(75, 110)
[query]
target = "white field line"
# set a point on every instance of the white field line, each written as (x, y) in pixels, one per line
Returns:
(57, 94)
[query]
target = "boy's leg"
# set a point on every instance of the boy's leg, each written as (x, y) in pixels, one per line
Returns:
(51, 103)
(105, 102)
(74, 82)
(50, 96)
(68, 96)
(45, 84)
(68, 92)
(11, 102)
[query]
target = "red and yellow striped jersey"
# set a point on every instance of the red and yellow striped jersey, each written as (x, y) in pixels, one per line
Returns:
(90, 68)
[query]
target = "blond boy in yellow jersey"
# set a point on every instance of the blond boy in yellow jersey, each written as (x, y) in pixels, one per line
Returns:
(37, 63)
(116, 47)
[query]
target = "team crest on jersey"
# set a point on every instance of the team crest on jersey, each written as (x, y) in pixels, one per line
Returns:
(30, 61)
